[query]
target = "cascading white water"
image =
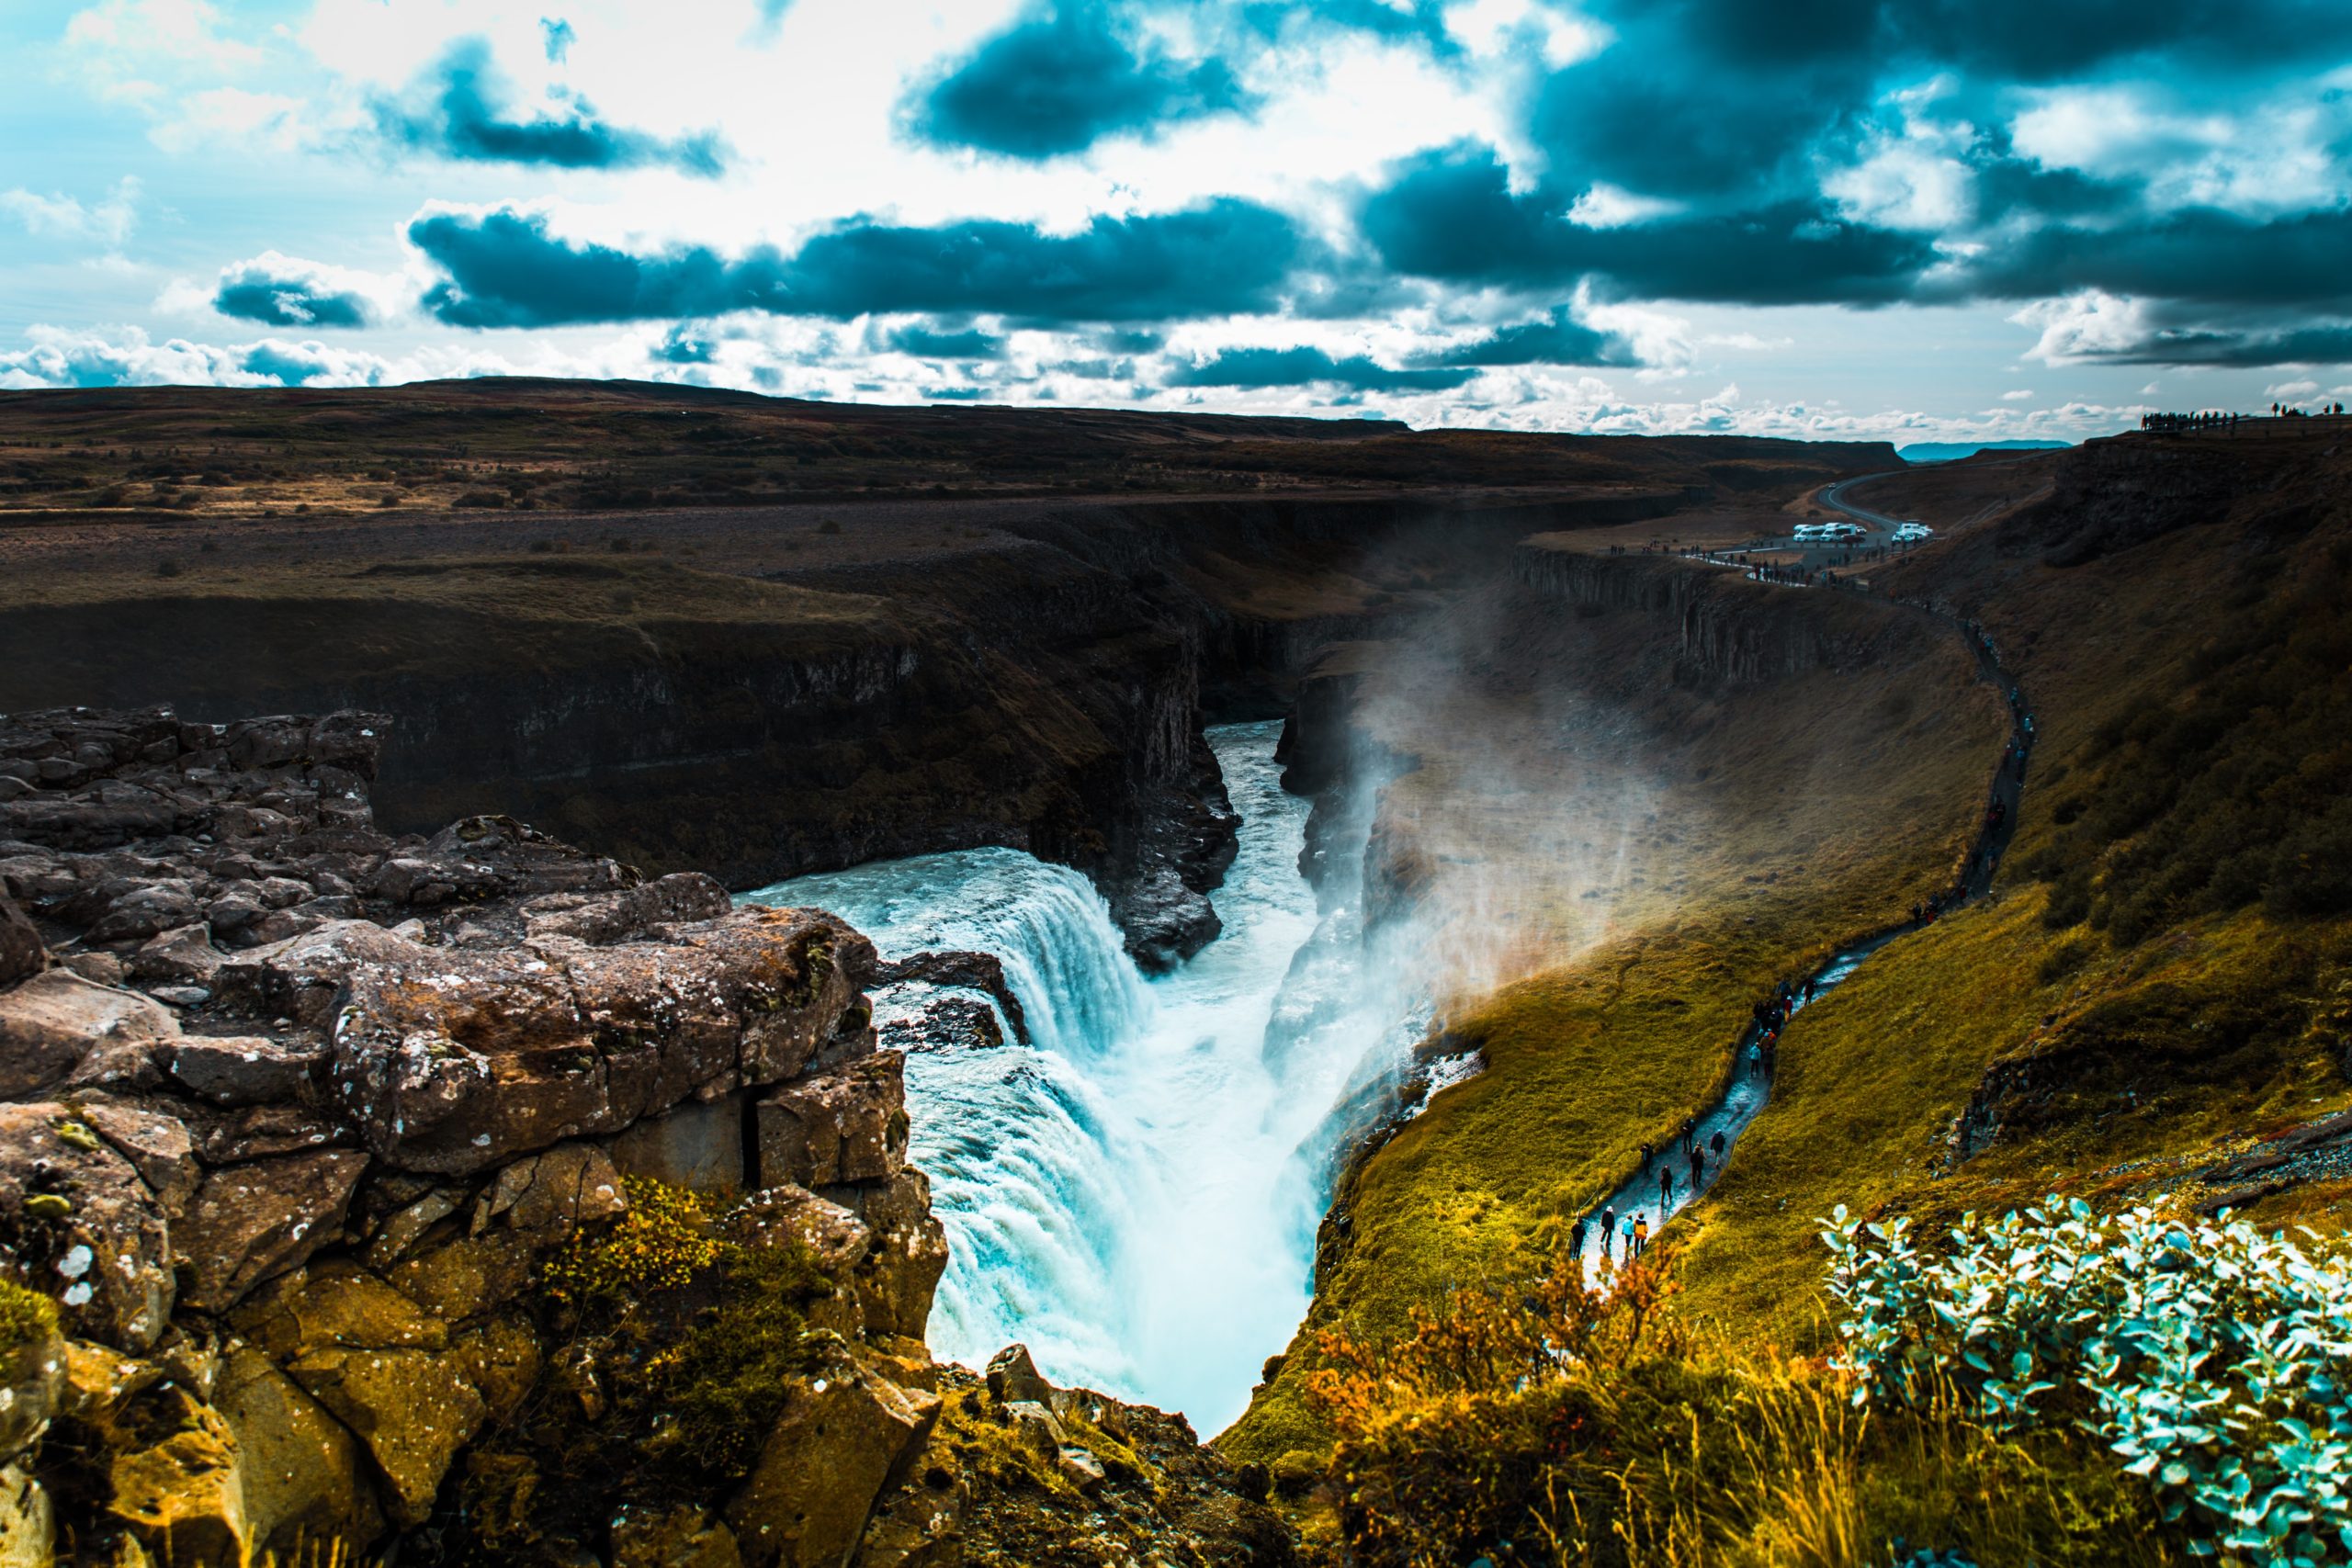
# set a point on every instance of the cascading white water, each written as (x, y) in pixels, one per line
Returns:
(1135, 1193)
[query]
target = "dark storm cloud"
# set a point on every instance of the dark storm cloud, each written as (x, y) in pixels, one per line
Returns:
(505, 270)
(1555, 339)
(1451, 215)
(1304, 367)
(930, 342)
(254, 292)
(461, 108)
(2197, 254)
(2236, 347)
(1071, 72)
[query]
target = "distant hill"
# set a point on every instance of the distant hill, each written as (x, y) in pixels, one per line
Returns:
(1952, 451)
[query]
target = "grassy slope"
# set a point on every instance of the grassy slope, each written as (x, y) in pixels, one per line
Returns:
(2156, 1053)
(1772, 819)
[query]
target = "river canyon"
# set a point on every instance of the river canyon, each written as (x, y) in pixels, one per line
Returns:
(1134, 1192)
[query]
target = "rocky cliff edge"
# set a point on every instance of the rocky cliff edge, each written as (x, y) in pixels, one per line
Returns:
(474, 1194)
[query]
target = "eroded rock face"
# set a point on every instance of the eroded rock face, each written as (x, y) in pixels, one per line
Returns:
(298, 1119)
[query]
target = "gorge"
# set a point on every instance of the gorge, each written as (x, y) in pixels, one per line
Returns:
(860, 1030)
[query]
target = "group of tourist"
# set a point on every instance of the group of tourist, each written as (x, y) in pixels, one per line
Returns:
(2214, 418)
(1631, 1230)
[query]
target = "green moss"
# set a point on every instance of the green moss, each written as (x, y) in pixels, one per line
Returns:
(729, 1376)
(27, 1317)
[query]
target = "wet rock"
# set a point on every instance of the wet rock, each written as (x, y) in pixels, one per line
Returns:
(845, 1126)
(97, 1240)
(981, 972)
(22, 954)
(250, 1222)
(237, 1070)
(60, 1030)
(944, 1023)
(843, 1435)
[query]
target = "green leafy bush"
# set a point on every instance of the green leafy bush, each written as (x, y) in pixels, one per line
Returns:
(2215, 1362)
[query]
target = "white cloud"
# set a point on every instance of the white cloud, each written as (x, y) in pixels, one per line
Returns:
(1906, 185)
(109, 222)
(2288, 391)
(132, 48)
(2278, 155)
(2017, 395)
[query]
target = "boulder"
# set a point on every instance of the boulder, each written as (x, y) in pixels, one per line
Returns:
(236, 1070)
(183, 955)
(32, 1380)
(849, 1125)
(792, 973)
(452, 1063)
(22, 954)
(544, 1197)
(845, 1435)
(303, 1484)
(415, 1409)
(298, 977)
(1014, 1378)
(157, 1146)
(59, 1030)
(337, 1307)
(602, 919)
(27, 1522)
(89, 1231)
(250, 1222)
(183, 1493)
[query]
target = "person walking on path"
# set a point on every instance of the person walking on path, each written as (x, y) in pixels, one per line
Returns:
(1690, 1134)
(1641, 1237)
(1575, 1240)
(1665, 1192)
(1698, 1165)
(1716, 1147)
(1608, 1228)
(1633, 1233)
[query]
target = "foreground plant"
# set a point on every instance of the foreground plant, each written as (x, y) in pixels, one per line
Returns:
(2216, 1361)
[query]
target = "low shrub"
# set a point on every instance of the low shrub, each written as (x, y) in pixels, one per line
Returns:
(2215, 1362)
(660, 1244)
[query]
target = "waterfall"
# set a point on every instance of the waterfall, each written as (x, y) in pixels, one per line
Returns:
(1135, 1193)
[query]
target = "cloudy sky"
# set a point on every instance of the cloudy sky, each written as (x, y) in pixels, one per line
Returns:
(1912, 218)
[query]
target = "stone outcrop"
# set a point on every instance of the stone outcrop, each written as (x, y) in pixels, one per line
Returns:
(303, 1125)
